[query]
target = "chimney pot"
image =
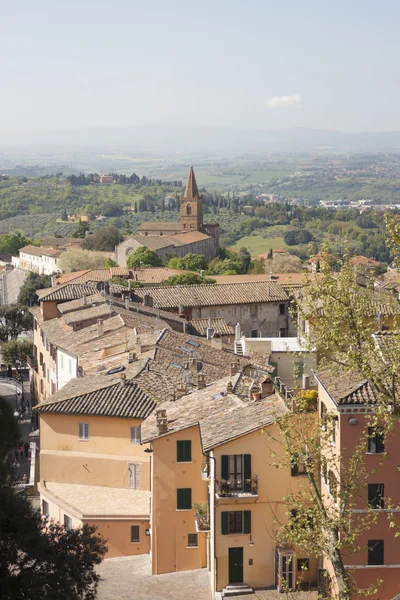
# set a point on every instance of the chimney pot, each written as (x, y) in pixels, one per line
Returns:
(229, 387)
(122, 379)
(100, 328)
(201, 381)
(127, 303)
(84, 299)
(161, 420)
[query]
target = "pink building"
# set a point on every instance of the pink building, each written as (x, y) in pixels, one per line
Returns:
(349, 404)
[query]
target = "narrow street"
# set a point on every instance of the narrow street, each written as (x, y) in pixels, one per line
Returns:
(10, 391)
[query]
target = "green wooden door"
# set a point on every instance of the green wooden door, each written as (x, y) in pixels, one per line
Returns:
(235, 565)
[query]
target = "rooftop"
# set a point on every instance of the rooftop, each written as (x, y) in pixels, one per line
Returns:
(157, 225)
(123, 398)
(93, 501)
(346, 388)
(35, 251)
(222, 416)
(214, 294)
(220, 326)
(191, 190)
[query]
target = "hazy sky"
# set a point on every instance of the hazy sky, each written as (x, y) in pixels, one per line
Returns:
(239, 63)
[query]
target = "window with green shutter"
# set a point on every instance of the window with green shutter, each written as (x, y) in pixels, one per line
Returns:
(235, 522)
(184, 498)
(183, 451)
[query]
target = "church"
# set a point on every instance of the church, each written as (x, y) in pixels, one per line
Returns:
(189, 235)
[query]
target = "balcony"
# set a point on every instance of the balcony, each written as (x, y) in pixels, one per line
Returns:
(202, 517)
(238, 489)
(31, 362)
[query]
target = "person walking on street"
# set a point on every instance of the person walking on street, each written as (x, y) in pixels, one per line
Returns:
(21, 449)
(15, 467)
(26, 448)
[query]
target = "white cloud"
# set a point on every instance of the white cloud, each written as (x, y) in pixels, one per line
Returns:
(283, 101)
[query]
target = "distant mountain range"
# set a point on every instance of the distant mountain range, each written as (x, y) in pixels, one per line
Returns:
(183, 140)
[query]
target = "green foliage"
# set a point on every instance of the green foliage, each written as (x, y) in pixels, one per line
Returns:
(105, 239)
(296, 237)
(128, 283)
(14, 320)
(110, 263)
(143, 257)
(82, 229)
(189, 262)
(187, 279)
(14, 353)
(11, 243)
(231, 263)
(27, 294)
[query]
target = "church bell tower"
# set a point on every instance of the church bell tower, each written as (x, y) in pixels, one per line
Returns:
(191, 206)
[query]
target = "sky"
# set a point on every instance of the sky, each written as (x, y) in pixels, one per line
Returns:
(243, 64)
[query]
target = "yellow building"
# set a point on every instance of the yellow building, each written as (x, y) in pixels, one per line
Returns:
(217, 499)
(93, 468)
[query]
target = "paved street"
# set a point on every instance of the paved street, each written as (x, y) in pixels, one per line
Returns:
(10, 392)
(130, 578)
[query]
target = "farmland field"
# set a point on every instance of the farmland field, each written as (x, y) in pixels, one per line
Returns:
(256, 244)
(264, 175)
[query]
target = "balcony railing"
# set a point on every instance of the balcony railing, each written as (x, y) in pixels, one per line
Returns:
(202, 517)
(227, 488)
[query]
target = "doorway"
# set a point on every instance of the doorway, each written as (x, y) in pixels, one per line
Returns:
(235, 565)
(286, 565)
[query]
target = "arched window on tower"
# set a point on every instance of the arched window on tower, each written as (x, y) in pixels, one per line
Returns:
(188, 209)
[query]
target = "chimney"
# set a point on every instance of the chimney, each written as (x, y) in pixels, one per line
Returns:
(201, 381)
(84, 299)
(122, 379)
(171, 395)
(229, 387)
(181, 390)
(216, 342)
(100, 328)
(266, 387)
(254, 392)
(138, 345)
(147, 299)
(52, 281)
(234, 368)
(306, 382)
(132, 357)
(161, 420)
(80, 372)
(127, 303)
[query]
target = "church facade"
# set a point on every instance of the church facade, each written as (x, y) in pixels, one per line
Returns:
(189, 235)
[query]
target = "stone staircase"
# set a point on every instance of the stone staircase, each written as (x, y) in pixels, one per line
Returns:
(238, 348)
(236, 589)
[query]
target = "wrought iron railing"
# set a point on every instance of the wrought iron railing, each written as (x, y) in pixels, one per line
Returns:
(235, 487)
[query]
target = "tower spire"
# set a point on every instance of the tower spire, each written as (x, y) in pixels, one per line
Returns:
(191, 190)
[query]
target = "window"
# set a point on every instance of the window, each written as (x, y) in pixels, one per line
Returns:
(45, 508)
(188, 209)
(83, 433)
(376, 440)
(294, 513)
(236, 521)
(61, 361)
(324, 414)
(135, 434)
(236, 471)
(299, 369)
(135, 533)
(67, 522)
(275, 365)
(70, 365)
(281, 309)
(282, 332)
(376, 552)
(184, 498)
(253, 310)
(376, 495)
(303, 564)
(297, 467)
(134, 475)
(183, 451)
(193, 540)
(254, 333)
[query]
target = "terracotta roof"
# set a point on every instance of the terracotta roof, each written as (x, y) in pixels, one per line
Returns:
(188, 238)
(77, 304)
(67, 277)
(67, 291)
(93, 501)
(221, 416)
(159, 226)
(344, 388)
(85, 314)
(281, 278)
(35, 251)
(364, 261)
(118, 400)
(214, 294)
(149, 275)
(191, 190)
(220, 326)
(154, 242)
